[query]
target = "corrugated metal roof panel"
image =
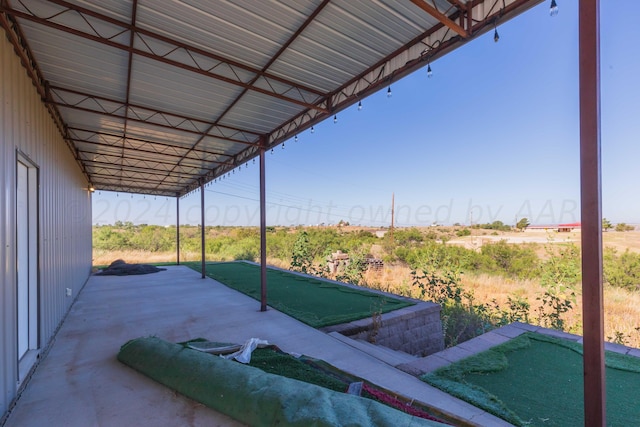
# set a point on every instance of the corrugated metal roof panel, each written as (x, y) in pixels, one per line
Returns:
(247, 31)
(221, 146)
(78, 63)
(149, 132)
(347, 38)
(118, 9)
(91, 121)
(183, 92)
(259, 113)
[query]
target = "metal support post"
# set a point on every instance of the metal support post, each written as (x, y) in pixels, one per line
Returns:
(202, 230)
(263, 233)
(178, 230)
(591, 215)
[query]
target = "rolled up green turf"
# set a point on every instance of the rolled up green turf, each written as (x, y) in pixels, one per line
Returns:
(253, 396)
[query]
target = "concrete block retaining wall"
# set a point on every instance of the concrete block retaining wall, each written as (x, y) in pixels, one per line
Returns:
(415, 329)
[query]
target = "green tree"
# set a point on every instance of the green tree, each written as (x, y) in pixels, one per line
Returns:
(522, 224)
(606, 224)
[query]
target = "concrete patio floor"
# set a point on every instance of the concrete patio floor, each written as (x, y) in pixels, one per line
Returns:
(80, 382)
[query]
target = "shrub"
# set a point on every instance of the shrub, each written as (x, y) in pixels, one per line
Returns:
(463, 232)
(495, 225)
(559, 276)
(300, 256)
(511, 260)
(624, 227)
(406, 237)
(622, 271)
(354, 269)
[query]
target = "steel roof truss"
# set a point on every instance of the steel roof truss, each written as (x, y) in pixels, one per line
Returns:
(94, 103)
(166, 192)
(102, 110)
(108, 169)
(146, 146)
(112, 32)
(138, 155)
(118, 182)
(143, 165)
(432, 9)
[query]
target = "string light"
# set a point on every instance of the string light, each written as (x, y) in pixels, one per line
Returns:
(389, 92)
(496, 36)
(553, 10)
(312, 129)
(429, 72)
(359, 105)
(283, 145)
(295, 139)
(335, 119)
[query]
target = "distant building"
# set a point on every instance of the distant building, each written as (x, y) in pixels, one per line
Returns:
(380, 233)
(567, 228)
(559, 228)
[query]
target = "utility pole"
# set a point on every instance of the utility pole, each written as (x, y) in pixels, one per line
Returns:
(392, 212)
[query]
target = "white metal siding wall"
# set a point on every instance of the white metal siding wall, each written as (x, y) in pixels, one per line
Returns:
(64, 209)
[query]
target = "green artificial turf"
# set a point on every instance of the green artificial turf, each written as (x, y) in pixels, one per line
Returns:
(272, 360)
(253, 396)
(315, 302)
(536, 380)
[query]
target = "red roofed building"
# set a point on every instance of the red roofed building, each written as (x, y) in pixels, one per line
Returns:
(560, 228)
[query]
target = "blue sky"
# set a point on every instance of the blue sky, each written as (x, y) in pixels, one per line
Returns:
(493, 135)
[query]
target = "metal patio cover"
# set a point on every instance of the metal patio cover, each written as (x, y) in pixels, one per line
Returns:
(160, 96)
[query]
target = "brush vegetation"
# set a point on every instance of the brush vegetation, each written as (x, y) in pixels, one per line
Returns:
(480, 276)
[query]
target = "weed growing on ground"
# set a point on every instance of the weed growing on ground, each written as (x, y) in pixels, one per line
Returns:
(376, 322)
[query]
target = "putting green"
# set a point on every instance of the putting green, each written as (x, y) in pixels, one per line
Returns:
(316, 302)
(536, 380)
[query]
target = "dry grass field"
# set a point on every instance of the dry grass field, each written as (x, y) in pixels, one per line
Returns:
(615, 239)
(622, 307)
